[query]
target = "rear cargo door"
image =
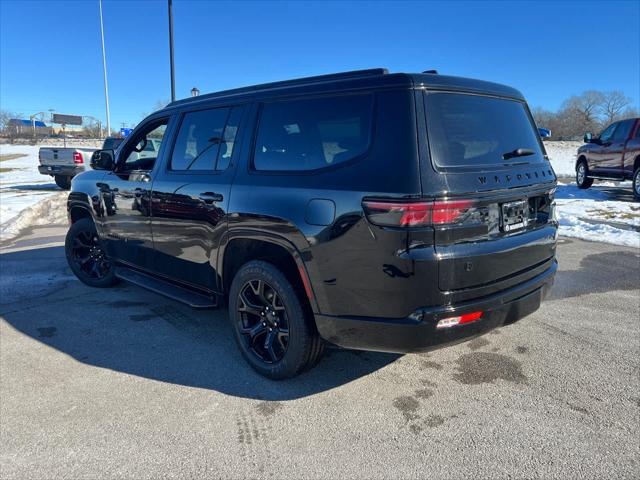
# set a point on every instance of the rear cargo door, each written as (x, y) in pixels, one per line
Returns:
(493, 185)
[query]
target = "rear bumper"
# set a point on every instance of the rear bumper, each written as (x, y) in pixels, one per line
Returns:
(418, 332)
(64, 170)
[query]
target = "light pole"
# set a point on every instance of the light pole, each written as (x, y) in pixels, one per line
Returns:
(173, 81)
(104, 69)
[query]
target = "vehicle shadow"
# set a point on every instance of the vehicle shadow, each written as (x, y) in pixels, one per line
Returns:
(133, 331)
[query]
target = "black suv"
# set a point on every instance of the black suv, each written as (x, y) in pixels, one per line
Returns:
(390, 212)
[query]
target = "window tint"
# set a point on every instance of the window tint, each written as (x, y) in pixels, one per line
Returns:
(472, 130)
(606, 135)
(141, 152)
(622, 132)
(311, 134)
(199, 140)
(229, 138)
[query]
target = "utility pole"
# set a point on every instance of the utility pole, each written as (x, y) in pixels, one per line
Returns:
(104, 68)
(173, 80)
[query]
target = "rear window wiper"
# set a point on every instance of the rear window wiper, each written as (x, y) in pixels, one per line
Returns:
(518, 152)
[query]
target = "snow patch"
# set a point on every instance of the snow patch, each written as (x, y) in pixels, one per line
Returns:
(50, 211)
(563, 157)
(589, 215)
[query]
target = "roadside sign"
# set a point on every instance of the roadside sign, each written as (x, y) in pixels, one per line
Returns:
(67, 119)
(125, 132)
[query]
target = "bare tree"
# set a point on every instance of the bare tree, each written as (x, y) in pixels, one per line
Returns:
(581, 111)
(613, 104)
(5, 116)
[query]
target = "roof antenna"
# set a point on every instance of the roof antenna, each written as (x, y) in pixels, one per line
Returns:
(435, 72)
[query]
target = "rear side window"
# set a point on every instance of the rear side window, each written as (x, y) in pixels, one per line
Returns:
(474, 130)
(313, 134)
(206, 139)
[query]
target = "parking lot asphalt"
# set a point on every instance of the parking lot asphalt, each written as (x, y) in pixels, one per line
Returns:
(125, 383)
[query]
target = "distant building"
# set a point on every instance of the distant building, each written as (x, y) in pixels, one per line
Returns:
(21, 127)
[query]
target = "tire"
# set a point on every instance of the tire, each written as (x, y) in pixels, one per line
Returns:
(581, 175)
(265, 309)
(63, 181)
(636, 184)
(85, 256)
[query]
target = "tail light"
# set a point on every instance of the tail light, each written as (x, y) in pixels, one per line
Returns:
(77, 158)
(417, 214)
(459, 320)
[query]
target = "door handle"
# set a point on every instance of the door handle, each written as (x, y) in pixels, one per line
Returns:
(210, 197)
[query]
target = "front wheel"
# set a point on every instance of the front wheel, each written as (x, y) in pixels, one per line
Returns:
(636, 184)
(581, 176)
(85, 256)
(274, 330)
(63, 181)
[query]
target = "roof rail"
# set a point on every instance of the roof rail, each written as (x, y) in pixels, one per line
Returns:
(286, 83)
(435, 72)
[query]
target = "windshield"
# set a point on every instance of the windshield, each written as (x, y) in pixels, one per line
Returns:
(476, 130)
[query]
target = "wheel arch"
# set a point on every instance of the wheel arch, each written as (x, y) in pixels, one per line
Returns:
(78, 206)
(243, 245)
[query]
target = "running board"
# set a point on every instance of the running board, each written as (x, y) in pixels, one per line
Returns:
(189, 297)
(615, 179)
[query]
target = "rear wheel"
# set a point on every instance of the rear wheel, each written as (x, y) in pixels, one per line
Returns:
(63, 181)
(581, 175)
(636, 184)
(274, 330)
(86, 257)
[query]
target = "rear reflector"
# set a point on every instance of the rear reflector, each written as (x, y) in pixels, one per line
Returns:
(415, 214)
(77, 158)
(466, 318)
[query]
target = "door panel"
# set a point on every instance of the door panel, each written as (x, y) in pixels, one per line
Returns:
(602, 157)
(190, 197)
(126, 228)
(126, 194)
(188, 223)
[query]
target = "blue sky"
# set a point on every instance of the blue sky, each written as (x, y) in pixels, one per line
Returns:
(50, 51)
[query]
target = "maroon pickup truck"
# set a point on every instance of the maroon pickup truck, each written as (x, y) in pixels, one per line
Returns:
(613, 155)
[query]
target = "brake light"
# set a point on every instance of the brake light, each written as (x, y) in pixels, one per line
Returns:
(77, 158)
(415, 214)
(459, 320)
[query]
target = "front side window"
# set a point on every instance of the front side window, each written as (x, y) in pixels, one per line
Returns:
(312, 134)
(142, 151)
(473, 130)
(622, 132)
(606, 135)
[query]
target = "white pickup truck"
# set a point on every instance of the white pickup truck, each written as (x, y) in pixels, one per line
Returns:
(65, 163)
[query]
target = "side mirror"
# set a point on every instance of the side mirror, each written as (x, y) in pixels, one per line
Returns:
(545, 133)
(103, 160)
(588, 137)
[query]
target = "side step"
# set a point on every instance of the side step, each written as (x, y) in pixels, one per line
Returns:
(615, 179)
(175, 292)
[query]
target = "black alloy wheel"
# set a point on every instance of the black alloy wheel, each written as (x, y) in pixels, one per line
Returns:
(272, 321)
(263, 321)
(86, 257)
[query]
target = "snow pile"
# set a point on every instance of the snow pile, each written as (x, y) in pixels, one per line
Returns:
(589, 215)
(50, 211)
(563, 157)
(21, 185)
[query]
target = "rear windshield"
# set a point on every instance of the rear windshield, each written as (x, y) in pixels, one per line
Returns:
(475, 130)
(111, 143)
